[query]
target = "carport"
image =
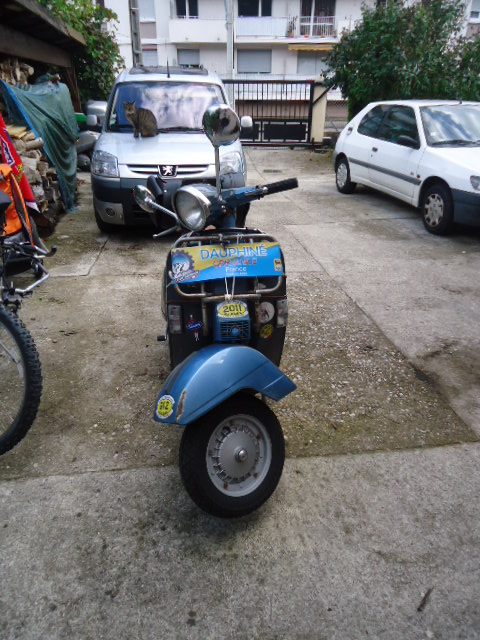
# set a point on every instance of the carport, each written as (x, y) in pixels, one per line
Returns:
(32, 34)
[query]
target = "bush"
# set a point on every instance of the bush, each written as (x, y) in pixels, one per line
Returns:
(401, 50)
(98, 65)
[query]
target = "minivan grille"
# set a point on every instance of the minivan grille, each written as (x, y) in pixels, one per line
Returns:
(182, 170)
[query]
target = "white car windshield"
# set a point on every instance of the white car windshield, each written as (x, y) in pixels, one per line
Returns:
(177, 106)
(452, 125)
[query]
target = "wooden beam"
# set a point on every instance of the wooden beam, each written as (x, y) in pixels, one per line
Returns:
(32, 6)
(15, 43)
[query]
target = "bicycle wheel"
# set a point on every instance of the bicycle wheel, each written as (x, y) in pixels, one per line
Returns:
(20, 380)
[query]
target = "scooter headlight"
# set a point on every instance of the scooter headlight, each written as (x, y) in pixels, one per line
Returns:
(192, 207)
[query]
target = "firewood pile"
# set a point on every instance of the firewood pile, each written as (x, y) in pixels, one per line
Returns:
(42, 177)
(14, 72)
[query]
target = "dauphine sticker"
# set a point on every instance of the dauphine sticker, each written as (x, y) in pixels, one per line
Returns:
(196, 264)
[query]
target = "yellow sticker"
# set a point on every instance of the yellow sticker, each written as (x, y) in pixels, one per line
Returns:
(165, 407)
(232, 310)
(266, 331)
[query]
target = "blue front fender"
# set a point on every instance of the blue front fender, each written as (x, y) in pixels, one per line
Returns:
(211, 375)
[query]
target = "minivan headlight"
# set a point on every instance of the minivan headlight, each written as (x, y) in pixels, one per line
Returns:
(475, 180)
(231, 162)
(104, 164)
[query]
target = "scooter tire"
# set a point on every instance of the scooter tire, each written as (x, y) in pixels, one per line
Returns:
(231, 459)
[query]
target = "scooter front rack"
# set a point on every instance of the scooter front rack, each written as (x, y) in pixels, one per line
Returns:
(226, 237)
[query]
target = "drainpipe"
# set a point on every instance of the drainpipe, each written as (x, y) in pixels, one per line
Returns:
(229, 27)
(135, 32)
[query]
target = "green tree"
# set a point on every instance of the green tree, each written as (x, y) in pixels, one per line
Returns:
(404, 50)
(97, 66)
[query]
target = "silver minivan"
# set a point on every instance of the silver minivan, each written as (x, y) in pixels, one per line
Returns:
(179, 153)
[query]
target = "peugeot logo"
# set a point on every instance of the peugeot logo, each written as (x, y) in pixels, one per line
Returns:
(167, 170)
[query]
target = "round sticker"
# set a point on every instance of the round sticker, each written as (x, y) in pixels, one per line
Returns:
(165, 407)
(266, 331)
(266, 311)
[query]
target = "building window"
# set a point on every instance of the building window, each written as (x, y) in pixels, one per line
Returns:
(146, 9)
(317, 18)
(148, 30)
(254, 8)
(188, 57)
(311, 64)
(475, 10)
(187, 8)
(150, 57)
(254, 61)
(317, 8)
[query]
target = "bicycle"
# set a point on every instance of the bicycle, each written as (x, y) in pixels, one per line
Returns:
(20, 368)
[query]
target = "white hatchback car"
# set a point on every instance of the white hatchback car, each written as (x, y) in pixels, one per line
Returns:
(424, 152)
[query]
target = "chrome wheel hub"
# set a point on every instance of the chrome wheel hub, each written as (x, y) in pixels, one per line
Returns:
(342, 175)
(433, 210)
(239, 454)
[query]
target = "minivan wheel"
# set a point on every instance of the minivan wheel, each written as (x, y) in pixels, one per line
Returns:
(437, 209)
(342, 177)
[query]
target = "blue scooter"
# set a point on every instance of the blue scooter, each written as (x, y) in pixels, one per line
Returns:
(225, 304)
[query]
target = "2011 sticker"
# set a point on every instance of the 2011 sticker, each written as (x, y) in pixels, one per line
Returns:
(235, 309)
(165, 407)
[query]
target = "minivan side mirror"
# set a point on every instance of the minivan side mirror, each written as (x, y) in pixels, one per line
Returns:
(246, 124)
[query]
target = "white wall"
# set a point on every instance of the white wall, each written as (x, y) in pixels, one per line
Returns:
(211, 9)
(123, 36)
(348, 12)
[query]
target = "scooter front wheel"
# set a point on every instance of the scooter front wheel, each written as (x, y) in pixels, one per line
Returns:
(231, 459)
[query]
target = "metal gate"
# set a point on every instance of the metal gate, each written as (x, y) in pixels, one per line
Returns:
(281, 109)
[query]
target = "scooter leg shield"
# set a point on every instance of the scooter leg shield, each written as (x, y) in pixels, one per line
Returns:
(211, 375)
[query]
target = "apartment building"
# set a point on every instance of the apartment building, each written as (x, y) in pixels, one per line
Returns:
(285, 39)
(279, 38)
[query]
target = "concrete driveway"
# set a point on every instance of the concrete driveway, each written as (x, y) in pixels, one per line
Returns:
(374, 529)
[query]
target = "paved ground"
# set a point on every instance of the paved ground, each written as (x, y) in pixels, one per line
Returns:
(376, 515)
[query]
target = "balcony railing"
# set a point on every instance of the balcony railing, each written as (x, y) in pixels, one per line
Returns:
(194, 30)
(318, 27)
(287, 27)
(261, 27)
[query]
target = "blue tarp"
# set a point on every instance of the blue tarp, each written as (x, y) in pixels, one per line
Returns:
(47, 109)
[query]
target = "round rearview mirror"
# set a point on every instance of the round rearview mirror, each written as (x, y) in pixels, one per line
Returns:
(221, 125)
(144, 198)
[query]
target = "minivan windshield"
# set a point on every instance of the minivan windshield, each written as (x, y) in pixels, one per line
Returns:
(177, 106)
(455, 125)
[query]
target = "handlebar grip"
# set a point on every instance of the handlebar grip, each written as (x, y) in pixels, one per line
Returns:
(281, 185)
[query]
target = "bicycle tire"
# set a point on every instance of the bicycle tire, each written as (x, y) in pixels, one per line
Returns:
(20, 375)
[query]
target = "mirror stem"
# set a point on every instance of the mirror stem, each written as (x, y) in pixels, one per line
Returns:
(217, 173)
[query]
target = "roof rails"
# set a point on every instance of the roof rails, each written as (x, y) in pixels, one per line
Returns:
(198, 71)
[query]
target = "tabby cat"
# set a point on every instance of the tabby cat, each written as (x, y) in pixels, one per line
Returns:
(143, 121)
